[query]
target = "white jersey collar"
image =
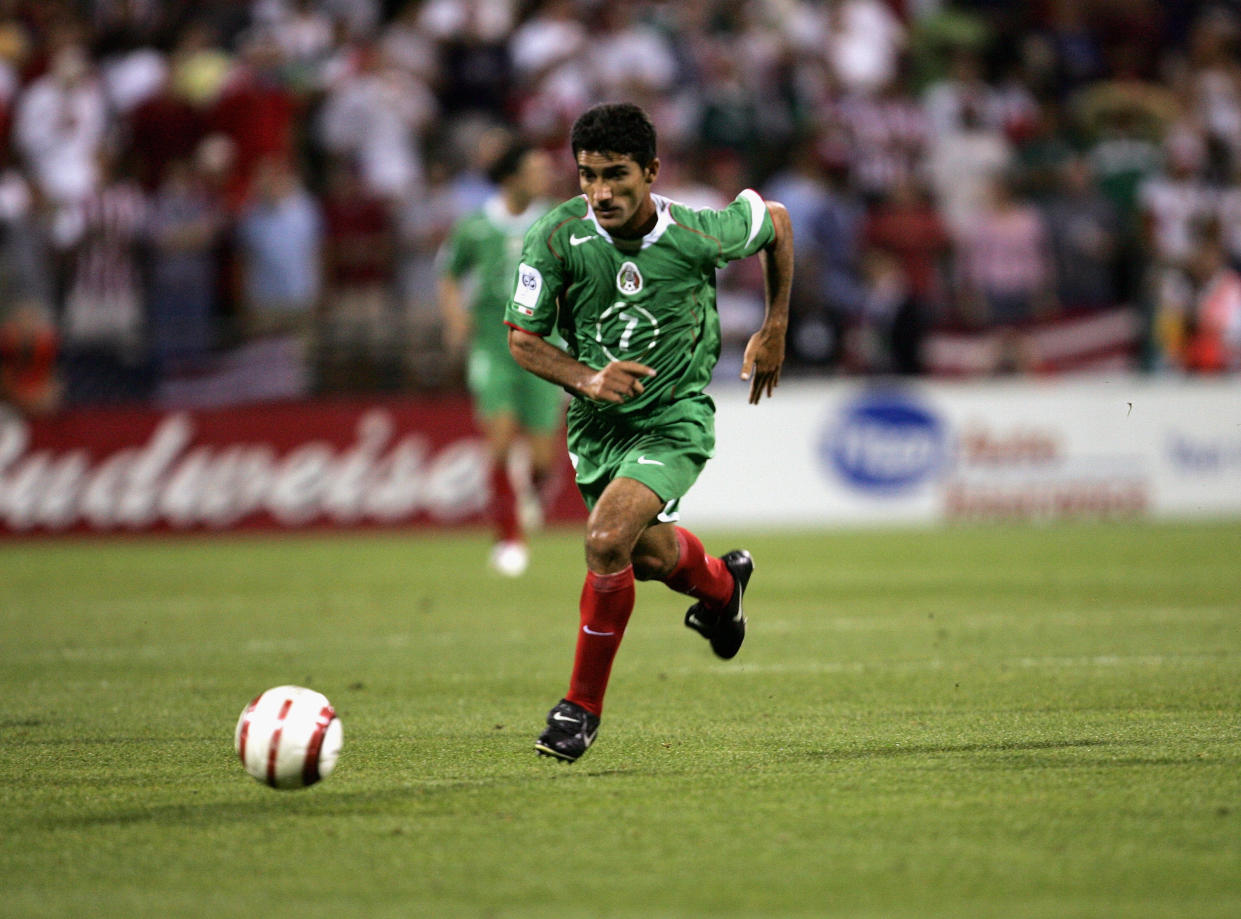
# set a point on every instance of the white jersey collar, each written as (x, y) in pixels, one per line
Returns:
(663, 220)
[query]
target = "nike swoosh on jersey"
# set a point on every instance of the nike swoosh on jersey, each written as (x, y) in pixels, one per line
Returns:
(576, 240)
(643, 461)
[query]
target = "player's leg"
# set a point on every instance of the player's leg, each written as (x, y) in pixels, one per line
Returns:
(672, 554)
(540, 414)
(546, 457)
(509, 555)
(491, 379)
(616, 522)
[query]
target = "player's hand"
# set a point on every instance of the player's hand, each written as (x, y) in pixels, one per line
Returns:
(619, 381)
(764, 355)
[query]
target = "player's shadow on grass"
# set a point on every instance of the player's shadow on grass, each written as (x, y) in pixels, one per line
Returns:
(1018, 746)
(310, 802)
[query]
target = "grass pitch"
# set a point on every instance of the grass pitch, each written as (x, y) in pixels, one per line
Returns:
(955, 723)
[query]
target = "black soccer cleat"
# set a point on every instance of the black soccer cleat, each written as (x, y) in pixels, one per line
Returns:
(570, 732)
(725, 628)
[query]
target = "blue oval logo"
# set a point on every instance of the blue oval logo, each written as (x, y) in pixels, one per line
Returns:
(885, 442)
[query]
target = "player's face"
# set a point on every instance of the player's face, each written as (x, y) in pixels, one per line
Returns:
(619, 191)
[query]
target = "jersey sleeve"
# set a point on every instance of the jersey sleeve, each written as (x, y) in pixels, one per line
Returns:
(536, 285)
(742, 228)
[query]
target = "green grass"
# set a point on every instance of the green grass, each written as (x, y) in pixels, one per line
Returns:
(1011, 722)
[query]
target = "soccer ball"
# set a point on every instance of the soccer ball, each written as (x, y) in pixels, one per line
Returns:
(289, 737)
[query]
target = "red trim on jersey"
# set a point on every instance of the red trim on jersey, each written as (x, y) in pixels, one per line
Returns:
(553, 230)
(274, 749)
(520, 329)
(310, 768)
(715, 239)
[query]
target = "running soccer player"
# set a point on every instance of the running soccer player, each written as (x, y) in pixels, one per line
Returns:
(627, 277)
(482, 252)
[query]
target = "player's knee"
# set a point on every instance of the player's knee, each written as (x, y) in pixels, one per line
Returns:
(607, 550)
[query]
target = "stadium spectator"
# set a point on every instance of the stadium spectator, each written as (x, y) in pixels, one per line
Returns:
(962, 99)
(1197, 327)
(422, 224)
(1213, 330)
(165, 128)
(280, 244)
(185, 228)
(1006, 274)
(1215, 78)
(1175, 202)
(865, 39)
(1086, 239)
(833, 291)
(888, 339)
(257, 112)
(964, 159)
(375, 119)
(359, 310)
(907, 226)
(888, 134)
(29, 343)
(103, 318)
(59, 130)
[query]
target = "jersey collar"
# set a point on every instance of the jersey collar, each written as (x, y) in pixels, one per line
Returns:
(663, 220)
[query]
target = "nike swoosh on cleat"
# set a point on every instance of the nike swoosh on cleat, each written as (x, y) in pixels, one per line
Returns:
(569, 718)
(589, 631)
(643, 461)
(578, 240)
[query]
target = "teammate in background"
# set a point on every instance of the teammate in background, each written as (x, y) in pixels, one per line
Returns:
(627, 277)
(479, 261)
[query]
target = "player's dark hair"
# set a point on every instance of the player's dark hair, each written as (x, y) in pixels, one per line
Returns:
(619, 128)
(508, 162)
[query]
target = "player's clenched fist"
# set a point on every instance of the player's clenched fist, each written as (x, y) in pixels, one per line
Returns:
(619, 381)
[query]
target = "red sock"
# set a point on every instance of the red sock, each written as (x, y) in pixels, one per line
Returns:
(704, 577)
(607, 601)
(504, 504)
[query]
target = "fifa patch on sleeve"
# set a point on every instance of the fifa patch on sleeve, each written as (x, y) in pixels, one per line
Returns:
(529, 286)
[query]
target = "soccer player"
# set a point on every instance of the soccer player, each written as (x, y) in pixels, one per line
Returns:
(628, 279)
(482, 253)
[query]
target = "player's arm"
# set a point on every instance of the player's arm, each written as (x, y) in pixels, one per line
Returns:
(764, 354)
(619, 381)
(458, 323)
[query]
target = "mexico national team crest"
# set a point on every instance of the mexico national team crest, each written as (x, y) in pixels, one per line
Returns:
(629, 279)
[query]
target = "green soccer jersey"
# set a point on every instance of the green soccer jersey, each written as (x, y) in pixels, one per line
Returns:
(483, 251)
(650, 300)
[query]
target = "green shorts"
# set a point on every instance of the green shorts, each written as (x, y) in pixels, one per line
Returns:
(665, 451)
(501, 387)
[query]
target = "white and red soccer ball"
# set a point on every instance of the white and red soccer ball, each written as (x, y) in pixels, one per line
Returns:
(289, 737)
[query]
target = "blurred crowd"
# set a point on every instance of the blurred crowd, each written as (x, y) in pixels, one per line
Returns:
(204, 203)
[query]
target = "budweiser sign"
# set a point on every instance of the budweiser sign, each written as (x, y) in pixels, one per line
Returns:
(285, 466)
